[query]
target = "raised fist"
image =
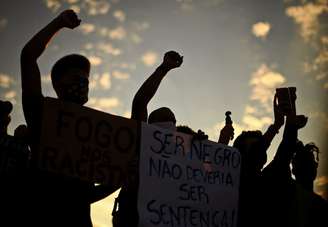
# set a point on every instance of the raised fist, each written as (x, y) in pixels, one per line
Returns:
(172, 60)
(69, 19)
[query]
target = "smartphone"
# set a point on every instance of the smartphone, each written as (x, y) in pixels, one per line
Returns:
(286, 98)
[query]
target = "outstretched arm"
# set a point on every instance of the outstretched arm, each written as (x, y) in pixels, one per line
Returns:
(273, 129)
(30, 73)
(148, 89)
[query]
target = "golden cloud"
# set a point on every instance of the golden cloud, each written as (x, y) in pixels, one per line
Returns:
(96, 7)
(103, 104)
(75, 8)
(119, 15)
(261, 29)
(255, 123)
(118, 33)
(53, 5)
(91, 7)
(87, 28)
(105, 81)
(127, 114)
(250, 109)
(10, 94)
(263, 82)
(95, 60)
(5, 81)
(149, 58)
(307, 16)
(120, 75)
(109, 49)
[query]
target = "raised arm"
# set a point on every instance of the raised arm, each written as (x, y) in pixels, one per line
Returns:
(148, 89)
(30, 73)
(273, 129)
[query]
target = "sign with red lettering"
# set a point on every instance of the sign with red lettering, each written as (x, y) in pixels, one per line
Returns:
(87, 144)
(185, 182)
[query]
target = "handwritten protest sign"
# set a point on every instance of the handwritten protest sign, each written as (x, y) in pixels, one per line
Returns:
(84, 143)
(14, 156)
(185, 182)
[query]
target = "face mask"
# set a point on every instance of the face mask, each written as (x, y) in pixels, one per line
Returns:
(169, 125)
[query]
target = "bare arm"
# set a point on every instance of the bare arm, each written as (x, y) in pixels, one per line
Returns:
(148, 89)
(30, 73)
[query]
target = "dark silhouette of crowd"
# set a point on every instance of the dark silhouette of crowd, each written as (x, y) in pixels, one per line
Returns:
(279, 193)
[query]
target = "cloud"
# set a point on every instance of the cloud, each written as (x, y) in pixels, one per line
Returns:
(91, 7)
(96, 7)
(3, 23)
(307, 16)
(261, 29)
(120, 75)
(119, 15)
(255, 123)
(109, 49)
(250, 109)
(105, 81)
(263, 82)
(127, 114)
(149, 58)
(5, 80)
(10, 94)
(103, 104)
(87, 28)
(95, 60)
(75, 8)
(53, 5)
(118, 33)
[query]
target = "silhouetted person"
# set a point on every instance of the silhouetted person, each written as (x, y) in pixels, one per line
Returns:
(127, 215)
(253, 146)
(277, 186)
(57, 200)
(309, 209)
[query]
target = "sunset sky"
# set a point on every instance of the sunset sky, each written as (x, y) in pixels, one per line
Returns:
(236, 52)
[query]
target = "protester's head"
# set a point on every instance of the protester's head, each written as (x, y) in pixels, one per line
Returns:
(162, 117)
(252, 149)
(305, 162)
(70, 78)
(21, 133)
(5, 110)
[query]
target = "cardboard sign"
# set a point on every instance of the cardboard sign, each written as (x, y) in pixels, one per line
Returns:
(185, 182)
(14, 156)
(87, 144)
